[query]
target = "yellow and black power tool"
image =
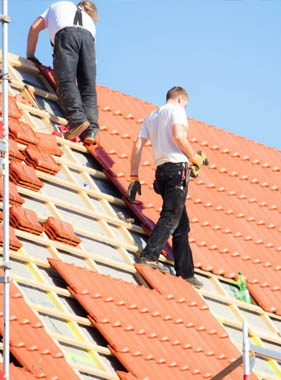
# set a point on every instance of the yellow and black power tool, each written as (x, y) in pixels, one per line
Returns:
(194, 169)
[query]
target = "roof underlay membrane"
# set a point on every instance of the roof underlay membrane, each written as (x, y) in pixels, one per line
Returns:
(81, 306)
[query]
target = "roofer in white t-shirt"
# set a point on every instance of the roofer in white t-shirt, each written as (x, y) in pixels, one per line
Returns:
(167, 129)
(72, 33)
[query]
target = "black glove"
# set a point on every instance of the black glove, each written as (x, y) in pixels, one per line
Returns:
(134, 188)
(34, 59)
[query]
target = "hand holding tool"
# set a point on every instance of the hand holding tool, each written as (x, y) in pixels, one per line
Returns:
(197, 160)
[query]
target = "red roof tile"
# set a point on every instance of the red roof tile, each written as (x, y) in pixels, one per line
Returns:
(61, 231)
(14, 243)
(150, 332)
(25, 220)
(22, 132)
(14, 152)
(40, 160)
(14, 196)
(126, 376)
(48, 144)
(24, 176)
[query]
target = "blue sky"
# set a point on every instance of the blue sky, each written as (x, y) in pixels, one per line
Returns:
(226, 53)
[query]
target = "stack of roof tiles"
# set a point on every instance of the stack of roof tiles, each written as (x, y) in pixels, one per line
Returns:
(37, 155)
(13, 110)
(41, 161)
(58, 230)
(24, 176)
(48, 144)
(14, 243)
(14, 152)
(14, 196)
(25, 220)
(22, 132)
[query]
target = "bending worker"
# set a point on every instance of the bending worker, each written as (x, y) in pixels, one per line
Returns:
(72, 33)
(167, 129)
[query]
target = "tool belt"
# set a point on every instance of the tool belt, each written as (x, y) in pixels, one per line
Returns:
(174, 164)
(180, 165)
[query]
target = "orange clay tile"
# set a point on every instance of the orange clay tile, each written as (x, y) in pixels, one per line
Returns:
(13, 109)
(234, 205)
(14, 152)
(126, 376)
(151, 333)
(24, 176)
(17, 373)
(22, 132)
(40, 160)
(14, 243)
(25, 220)
(30, 344)
(14, 196)
(48, 144)
(58, 230)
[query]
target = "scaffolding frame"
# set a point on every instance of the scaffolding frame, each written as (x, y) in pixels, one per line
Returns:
(4, 151)
(247, 357)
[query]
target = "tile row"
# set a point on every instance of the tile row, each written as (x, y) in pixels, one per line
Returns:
(169, 334)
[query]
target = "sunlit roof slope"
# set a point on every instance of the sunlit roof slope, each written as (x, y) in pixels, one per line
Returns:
(234, 205)
(68, 210)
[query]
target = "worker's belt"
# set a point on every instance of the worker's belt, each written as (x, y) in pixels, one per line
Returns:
(72, 28)
(174, 165)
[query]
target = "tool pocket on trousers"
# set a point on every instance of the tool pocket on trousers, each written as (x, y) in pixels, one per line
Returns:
(156, 187)
(174, 178)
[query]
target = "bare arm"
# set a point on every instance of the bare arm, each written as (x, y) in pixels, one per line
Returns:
(32, 38)
(179, 135)
(136, 155)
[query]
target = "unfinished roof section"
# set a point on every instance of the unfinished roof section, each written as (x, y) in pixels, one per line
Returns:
(81, 193)
(151, 334)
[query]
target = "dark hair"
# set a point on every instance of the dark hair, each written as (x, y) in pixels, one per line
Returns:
(176, 91)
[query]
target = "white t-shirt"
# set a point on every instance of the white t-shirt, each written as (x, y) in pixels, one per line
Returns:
(158, 128)
(61, 14)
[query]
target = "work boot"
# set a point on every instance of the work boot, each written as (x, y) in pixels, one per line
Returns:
(194, 281)
(154, 264)
(76, 131)
(90, 137)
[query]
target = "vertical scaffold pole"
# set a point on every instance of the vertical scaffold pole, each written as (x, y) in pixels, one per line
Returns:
(246, 352)
(4, 148)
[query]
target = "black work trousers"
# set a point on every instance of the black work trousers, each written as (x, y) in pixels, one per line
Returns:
(75, 75)
(172, 182)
